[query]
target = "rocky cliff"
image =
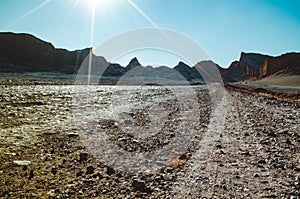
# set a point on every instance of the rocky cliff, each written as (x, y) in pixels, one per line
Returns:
(286, 63)
(257, 66)
(26, 53)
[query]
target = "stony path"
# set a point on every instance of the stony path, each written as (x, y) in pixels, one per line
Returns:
(256, 154)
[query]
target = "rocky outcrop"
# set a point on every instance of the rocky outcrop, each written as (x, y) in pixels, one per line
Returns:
(286, 63)
(190, 73)
(132, 64)
(26, 53)
(257, 66)
(254, 65)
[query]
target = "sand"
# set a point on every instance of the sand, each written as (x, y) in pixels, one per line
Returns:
(279, 80)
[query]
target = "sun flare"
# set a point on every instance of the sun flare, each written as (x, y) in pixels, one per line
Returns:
(95, 3)
(98, 4)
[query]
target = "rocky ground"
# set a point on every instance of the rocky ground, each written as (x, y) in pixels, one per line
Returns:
(281, 93)
(256, 154)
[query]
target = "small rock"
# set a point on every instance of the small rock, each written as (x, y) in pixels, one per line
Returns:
(83, 156)
(90, 170)
(272, 134)
(160, 163)
(245, 153)
(79, 173)
(223, 186)
(128, 122)
(136, 141)
(72, 135)
(169, 170)
(183, 157)
(288, 141)
(54, 170)
(262, 162)
(110, 171)
(222, 152)
(121, 139)
(22, 162)
(140, 186)
(31, 175)
(97, 175)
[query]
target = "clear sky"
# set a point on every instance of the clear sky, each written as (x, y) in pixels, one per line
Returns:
(224, 28)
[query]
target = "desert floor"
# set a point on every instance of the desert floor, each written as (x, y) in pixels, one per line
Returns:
(255, 154)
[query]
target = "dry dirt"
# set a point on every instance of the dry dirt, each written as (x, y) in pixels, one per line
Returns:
(257, 154)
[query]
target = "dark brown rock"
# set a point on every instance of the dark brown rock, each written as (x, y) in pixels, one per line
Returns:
(110, 171)
(83, 156)
(54, 170)
(31, 175)
(141, 186)
(90, 170)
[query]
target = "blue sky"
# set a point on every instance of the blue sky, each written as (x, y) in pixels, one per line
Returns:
(223, 28)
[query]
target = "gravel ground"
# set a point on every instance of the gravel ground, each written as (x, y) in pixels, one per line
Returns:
(43, 152)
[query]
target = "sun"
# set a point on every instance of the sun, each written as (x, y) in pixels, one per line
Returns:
(96, 3)
(99, 4)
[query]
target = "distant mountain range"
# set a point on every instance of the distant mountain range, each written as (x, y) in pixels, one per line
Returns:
(21, 53)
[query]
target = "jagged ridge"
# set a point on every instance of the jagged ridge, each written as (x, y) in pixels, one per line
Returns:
(26, 53)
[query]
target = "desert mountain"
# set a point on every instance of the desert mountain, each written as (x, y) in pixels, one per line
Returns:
(257, 66)
(132, 64)
(25, 53)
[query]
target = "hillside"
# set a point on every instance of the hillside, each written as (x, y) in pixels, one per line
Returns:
(26, 53)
